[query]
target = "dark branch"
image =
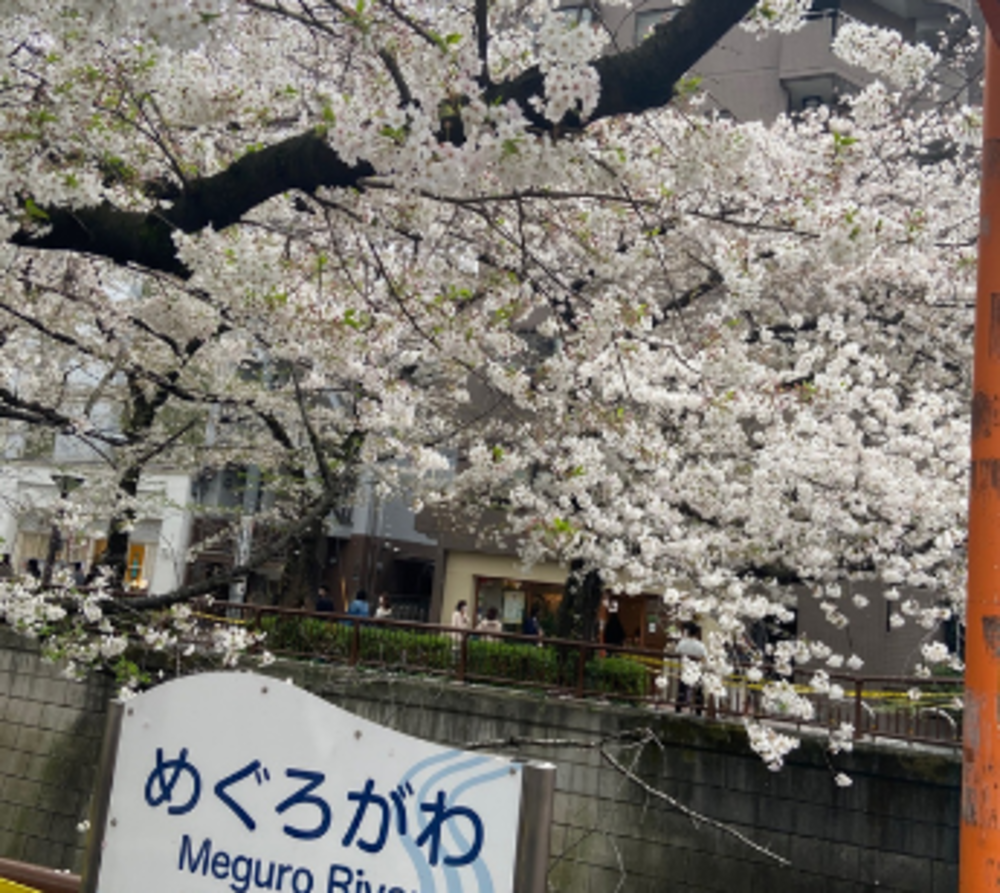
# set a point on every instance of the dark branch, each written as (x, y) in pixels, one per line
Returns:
(631, 82)
(304, 162)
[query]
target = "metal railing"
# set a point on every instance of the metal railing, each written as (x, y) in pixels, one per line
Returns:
(22, 877)
(877, 707)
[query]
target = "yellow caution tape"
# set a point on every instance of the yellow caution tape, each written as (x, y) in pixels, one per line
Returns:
(10, 887)
(926, 696)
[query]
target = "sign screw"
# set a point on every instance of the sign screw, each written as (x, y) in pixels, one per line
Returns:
(263, 691)
(114, 823)
(357, 735)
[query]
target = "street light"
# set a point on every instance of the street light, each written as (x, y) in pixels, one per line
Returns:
(66, 483)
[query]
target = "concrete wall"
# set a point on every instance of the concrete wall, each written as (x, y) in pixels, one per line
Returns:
(895, 830)
(462, 568)
(50, 737)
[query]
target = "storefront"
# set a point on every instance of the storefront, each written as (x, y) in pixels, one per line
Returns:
(515, 600)
(501, 582)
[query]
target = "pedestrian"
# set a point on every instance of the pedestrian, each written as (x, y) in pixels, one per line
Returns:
(490, 624)
(359, 607)
(532, 626)
(614, 631)
(460, 620)
(383, 609)
(690, 649)
(324, 603)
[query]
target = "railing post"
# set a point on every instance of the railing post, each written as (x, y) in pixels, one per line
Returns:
(463, 655)
(102, 796)
(535, 831)
(859, 686)
(580, 669)
(355, 642)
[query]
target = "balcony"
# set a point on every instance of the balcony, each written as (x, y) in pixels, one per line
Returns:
(807, 67)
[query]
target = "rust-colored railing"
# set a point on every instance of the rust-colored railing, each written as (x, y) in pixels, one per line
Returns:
(17, 877)
(877, 707)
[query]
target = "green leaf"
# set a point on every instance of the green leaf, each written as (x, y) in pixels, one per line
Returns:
(34, 212)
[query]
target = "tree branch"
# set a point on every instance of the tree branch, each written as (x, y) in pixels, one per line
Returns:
(640, 737)
(631, 82)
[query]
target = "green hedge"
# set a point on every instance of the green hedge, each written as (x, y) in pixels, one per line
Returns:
(531, 665)
(305, 636)
(527, 664)
(397, 647)
(523, 665)
(330, 639)
(617, 676)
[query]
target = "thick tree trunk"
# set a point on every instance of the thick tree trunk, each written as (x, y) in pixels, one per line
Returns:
(578, 610)
(114, 561)
(304, 567)
(140, 421)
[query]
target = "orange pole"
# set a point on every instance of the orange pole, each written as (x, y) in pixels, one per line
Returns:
(979, 859)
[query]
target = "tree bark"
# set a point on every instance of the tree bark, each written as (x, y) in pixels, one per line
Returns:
(631, 82)
(577, 614)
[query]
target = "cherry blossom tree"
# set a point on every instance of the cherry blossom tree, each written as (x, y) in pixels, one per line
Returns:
(463, 249)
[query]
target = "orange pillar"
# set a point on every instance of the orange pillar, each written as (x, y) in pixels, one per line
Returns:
(979, 865)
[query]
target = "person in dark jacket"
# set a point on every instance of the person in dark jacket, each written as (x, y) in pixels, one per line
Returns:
(614, 631)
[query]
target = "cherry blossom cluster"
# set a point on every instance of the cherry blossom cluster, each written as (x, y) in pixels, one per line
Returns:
(884, 53)
(703, 358)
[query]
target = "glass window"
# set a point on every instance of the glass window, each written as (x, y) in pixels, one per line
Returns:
(647, 20)
(577, 15)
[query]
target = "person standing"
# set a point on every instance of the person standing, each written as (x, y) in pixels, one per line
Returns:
(460, 620)
(690, 649)
(532, 626)
(614, 631)
(323, 601)
(490, 624)
(359, 607)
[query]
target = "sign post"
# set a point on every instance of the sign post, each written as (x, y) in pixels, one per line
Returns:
(237, 783)
(979, 858)
(102, 794)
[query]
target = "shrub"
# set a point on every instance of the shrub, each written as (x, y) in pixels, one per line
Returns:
(398, 647)
(527, 664)
(617, 676)
(333, 640)
(310, 636)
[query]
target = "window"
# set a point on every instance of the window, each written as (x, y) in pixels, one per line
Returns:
(647, 20)
(577, 15)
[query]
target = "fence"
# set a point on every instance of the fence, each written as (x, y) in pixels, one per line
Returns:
(901, 708)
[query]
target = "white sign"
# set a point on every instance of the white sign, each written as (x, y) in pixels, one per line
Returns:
(236, 783)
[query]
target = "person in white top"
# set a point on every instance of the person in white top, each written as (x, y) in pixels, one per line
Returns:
(460, 619)
(690, 647)
(384, 609)
(490, 624)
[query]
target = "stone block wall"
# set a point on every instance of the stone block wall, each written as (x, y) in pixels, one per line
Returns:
(895, 830)
(50, 739)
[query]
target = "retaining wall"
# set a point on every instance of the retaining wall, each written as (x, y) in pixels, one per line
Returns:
(894, 830)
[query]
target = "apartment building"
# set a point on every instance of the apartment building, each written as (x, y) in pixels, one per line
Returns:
(752, 78)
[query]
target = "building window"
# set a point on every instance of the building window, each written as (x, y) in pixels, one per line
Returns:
(647, 20)
(577, 15)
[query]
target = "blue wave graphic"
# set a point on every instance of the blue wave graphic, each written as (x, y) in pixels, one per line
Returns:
(452, 877)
